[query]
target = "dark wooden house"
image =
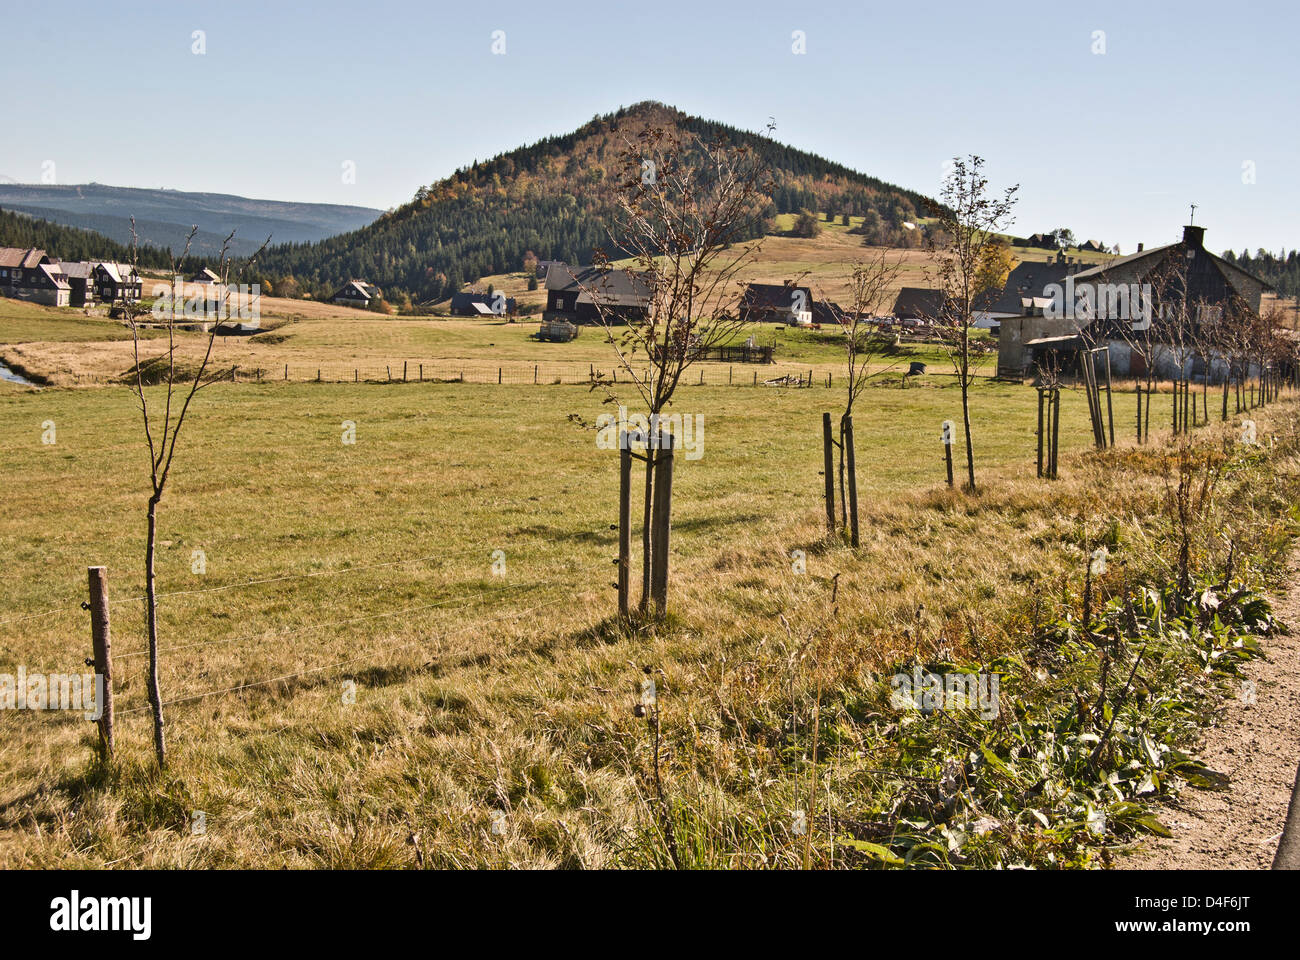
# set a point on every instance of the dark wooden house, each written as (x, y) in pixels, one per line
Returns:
(777, 303)
(31, 274)
(356, 293)
(920, 303)
(115, 282)
(481, 304)
(593, 295)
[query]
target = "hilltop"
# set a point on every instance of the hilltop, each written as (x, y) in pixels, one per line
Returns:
(555, 198)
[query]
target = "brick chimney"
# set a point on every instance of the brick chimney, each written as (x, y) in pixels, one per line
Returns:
(1140, 246)
(1194, 237)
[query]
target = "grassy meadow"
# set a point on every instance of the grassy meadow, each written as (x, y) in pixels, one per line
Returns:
(492, 722)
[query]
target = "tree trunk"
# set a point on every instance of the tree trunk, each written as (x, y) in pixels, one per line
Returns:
(151, 609)
(844, 499)
(645, 528)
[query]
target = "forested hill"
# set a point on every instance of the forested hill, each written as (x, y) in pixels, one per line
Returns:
(71, 243)
(555, 199)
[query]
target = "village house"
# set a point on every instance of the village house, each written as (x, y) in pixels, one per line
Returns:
(115, 282)
(481, 304)
(31, 274)
(920, 303)
(584, 295)
(205, 276)
(1023, 294)
(81, 282)
(356, 293)
(777, 303)
(1188, 288)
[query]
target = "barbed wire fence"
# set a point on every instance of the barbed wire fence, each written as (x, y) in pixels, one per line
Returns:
(518, 373)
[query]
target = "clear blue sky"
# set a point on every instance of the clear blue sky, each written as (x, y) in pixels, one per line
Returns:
(1114, 145)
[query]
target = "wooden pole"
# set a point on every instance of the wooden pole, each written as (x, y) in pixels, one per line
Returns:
(1138, 385)
(1040, 432)
(828, 459)
(624, 523)
(102, 644)
(662, 521)
(1056, 428)
(403, 371)
(1110, 409)
(853, 481)
(286, 371)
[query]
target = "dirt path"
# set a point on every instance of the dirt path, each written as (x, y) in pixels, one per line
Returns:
(1258, 746)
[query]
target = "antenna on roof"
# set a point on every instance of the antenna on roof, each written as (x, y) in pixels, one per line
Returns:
(1193, 222)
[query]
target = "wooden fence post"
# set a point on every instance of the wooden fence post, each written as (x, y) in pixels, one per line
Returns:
(534, 374)
(1041, 438)
(286, 371)
(101, 641)
(828, 459)
(946, 437)
(1110, 408)
(624, 522)
(662, 523)
(853, 481)
(1054, 416)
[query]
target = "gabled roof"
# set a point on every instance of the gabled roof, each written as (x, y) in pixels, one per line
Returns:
(1147, 261)
(206, 276)
(21, 256)
(471, 301)
(117, 272)
(773, 296)
(920, 302)
(356, 290)
(55, 275)
(613, 288)
(78, 269)
(1027, 281)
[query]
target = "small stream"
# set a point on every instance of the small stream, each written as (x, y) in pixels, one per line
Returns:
(7, 374)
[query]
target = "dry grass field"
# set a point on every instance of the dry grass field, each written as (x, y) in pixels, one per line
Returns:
(492, 722)
(352, 679)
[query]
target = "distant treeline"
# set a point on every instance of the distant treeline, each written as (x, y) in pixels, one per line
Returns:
(1282, 270)
(71, 243)
(555, 198)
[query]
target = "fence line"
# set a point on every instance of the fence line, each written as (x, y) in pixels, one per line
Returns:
(515, 373)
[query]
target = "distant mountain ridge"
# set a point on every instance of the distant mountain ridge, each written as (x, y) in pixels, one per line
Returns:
(164, 217)
(556, 199)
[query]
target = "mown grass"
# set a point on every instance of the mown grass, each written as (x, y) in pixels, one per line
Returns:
(492, 723)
